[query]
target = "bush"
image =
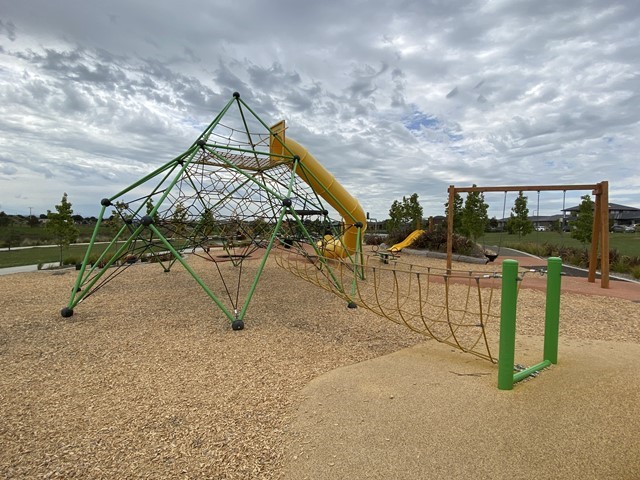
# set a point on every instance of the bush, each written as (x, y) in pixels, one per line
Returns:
(397, 236)
(579, 257)
(436, 241)
(93, 260)
(370, 239)
(70, 260)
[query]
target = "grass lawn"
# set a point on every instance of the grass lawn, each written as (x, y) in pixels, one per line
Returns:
(624, 243)
(26, 235)
(49, 254)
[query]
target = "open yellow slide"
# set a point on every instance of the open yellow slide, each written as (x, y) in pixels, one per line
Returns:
(326, 186)
(406, 242)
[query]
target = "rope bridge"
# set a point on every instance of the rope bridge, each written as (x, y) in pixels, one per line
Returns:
(452, 307)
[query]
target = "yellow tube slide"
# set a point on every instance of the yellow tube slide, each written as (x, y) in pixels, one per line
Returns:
(326, 186)
(407, 241)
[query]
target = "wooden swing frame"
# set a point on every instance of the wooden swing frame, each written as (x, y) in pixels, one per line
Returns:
(600, 229)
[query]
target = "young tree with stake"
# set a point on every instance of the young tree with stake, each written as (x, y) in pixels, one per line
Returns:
(61, 225)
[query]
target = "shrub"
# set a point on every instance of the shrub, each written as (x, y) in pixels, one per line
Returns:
(370, 239)
(436, 241)
(70, 260)
(93, 259)
(398, 236)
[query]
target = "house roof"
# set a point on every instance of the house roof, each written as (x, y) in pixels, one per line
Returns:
(540, 218)
(612, 206)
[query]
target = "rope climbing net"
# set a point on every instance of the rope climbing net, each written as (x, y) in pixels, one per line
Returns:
(455, 307)
(227, 198)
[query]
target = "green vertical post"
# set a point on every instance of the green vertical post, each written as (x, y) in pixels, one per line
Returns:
(552, 312)
(508, 303)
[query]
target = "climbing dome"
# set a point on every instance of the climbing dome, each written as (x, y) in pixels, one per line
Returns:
(241, 191)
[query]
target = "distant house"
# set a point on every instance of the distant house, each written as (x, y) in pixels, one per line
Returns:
(618, 214)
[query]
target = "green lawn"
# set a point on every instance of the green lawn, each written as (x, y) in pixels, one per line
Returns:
(24, 235)
(37, 255)
(624, 243)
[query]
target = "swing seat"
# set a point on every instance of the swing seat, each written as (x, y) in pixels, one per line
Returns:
(491, 256)
(386, 256)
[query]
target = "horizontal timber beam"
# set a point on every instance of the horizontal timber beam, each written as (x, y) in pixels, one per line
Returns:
(528, 188)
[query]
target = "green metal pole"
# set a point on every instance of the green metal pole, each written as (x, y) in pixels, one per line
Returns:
(76, 286)
(263, 262)
(527, 372)
(207, 131)
(168, 165)
(508, 303)
(87, 288)
(195, 276)
(552, 312)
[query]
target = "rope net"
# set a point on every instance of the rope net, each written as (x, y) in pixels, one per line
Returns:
(226, 199)
(455, 308)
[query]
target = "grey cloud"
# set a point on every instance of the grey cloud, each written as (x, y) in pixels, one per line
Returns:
(363, 85)
(128, 87)
(6, 169)
(226, 79)
(271, 77)
(8, 29)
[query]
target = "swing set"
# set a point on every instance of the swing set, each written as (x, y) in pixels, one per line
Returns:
(600, 228)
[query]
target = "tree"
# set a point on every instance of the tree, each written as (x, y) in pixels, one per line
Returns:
(61, 225)
(457, 212)
(413, 210)
(118, 217)
(409, 212)
(5, 220)
(581, 227)
(474, 215)
(556, 226)
(207, 223)
(33, 221)
(150, 206)
(519, 220)
(396, 217)
(11, 238)
(179, 219)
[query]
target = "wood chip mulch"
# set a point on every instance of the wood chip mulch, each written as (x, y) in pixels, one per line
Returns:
(147, 379)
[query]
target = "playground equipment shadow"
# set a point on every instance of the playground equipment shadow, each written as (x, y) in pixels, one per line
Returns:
(430, 411)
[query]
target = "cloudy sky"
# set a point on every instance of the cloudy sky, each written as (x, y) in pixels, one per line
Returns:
(393, 97)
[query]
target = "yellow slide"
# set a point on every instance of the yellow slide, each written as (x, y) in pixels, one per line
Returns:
(406, 242)
(326, 186)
